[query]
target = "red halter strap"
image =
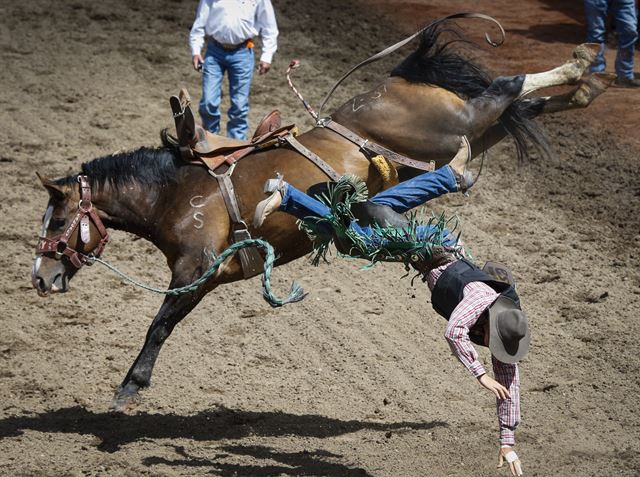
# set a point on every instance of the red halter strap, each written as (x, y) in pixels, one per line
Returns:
(86, 213)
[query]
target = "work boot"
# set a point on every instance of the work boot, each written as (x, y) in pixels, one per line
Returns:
(276, 188)
(621, 82)
(460, 163)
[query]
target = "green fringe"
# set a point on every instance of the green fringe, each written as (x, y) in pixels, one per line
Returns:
(388, 244)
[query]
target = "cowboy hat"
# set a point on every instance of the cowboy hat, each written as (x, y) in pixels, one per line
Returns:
(509, 331)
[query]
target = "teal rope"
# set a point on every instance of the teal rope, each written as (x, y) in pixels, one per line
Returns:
(296, 293)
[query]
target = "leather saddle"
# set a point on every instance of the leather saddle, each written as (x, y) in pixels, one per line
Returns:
(199, 146)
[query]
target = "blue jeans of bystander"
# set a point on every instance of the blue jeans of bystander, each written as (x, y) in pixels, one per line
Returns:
(239, 65)
(626, 24)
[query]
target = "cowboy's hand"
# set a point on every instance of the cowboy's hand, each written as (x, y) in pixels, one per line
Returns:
(494, 386)
(263, 67)
(197, 62)
(508, 454)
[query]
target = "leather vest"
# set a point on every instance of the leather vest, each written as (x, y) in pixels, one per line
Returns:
(448, 290)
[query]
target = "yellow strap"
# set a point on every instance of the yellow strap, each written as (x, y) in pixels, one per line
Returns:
(387, 171)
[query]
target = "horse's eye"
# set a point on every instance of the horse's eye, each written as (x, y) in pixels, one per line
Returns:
(56, 224)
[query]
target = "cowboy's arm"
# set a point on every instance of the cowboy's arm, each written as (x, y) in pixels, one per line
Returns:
(508, 411)
(457, 336)
(197, 33)
(268, 28)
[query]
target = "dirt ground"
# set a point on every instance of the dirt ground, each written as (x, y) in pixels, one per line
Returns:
(355, 380)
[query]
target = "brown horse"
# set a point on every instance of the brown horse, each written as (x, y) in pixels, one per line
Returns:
(431, 99)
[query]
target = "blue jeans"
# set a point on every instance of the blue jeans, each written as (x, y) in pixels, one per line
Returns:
(401, 198)
(624, 14)
(239, 66)
(418, 190)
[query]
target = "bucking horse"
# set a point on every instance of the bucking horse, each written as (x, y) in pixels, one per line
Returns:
(431, 99)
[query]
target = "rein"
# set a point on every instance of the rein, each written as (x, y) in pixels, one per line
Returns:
(59, 244)
(296, 293)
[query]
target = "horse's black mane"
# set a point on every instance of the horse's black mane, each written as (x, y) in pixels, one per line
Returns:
(434, 62)
(146, 166)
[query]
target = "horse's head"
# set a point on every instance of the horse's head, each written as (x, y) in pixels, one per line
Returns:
(71, 233)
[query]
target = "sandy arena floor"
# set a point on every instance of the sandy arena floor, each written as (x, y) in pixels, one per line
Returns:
(355, 380)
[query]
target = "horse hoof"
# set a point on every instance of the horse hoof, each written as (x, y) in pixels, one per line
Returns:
(586, 53)
(604, 80)
(591, 87)
(125, 399)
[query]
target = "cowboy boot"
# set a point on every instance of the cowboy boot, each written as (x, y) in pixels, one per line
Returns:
(276, 188)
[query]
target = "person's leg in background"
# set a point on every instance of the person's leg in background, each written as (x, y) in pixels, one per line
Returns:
(596, 16)
(240, 74)
(626, 21)
(212, 74)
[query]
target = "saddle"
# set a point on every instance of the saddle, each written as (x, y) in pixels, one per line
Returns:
(198, 146)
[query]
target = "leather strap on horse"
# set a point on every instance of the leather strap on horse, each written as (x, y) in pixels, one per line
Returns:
(400, 44)
(270, 139)
(85, 214)
(251, 261)
(313, 157)
(373, 149)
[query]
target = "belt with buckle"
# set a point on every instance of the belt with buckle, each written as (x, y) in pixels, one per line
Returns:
(230, 46)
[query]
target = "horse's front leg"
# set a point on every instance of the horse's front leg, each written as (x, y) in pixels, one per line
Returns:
(173, 310)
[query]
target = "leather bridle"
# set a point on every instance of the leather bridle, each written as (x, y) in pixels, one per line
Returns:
(59, 244)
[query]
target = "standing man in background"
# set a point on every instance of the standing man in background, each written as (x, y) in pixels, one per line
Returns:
(626, 25)
(229, 27)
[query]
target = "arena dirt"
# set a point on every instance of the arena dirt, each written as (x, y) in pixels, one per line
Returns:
(356, 380)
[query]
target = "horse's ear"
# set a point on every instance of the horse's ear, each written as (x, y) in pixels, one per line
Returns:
(56, 191)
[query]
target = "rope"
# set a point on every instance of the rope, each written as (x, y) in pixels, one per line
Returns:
(292, 66)
(296, 293)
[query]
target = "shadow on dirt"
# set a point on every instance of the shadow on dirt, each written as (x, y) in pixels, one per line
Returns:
(571, 33)
(307, 462)
(115, 430)
(573, 10)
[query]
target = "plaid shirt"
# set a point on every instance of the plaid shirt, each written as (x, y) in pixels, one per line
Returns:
(476, 299)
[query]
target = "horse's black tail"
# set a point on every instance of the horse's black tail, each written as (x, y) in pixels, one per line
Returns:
(435, 63)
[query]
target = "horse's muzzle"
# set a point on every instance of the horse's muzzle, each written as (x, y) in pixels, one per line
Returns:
(50, 279)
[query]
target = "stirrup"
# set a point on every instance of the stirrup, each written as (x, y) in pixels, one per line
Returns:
(273, 185)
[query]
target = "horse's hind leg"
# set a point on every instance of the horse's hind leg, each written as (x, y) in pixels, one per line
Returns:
(483, 111)
(589, 88)
(569, 73)
(173, 309)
